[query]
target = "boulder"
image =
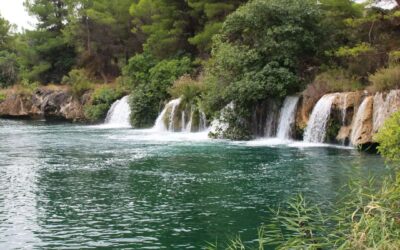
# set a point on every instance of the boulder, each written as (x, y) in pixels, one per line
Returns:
(43, 103)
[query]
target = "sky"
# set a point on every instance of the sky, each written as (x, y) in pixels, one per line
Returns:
(14, 11)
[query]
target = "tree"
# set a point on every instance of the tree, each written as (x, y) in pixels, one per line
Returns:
(264, 48)
(53, 57)
(101, 32)
(210, 15)
(5, 36)
(167, 25)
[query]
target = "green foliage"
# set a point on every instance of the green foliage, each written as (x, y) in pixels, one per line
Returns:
(136, 72)
(260, 53)
(210, 15)
(5, 37)
(388, 138)
(362, 48)
(367, 219)
(101, 33)
(8, 69)
(394, 58)
(386, 78)
(262, 47)
(79, 81)
(187, 88)
(165, 22)
(150, 86)
(50, 57)
(3, 96)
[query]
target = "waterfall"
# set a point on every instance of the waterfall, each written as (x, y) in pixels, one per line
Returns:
(189, 125)
(272, 117)
(316, 128)
(165, 121)
(359, 120)
(287, 117)
(344, 107)
(183, 120)
(119, 114)
(202, 122)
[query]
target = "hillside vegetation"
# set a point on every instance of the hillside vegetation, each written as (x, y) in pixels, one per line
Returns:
(238, 51)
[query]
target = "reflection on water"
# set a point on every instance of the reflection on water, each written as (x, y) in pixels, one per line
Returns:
(65, 186)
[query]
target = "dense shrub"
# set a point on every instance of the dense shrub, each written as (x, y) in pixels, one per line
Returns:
(388, 138)
(79, 81)
(261, 53)
(9, 69)
(3, 96)
(386, 78)
(150, 86)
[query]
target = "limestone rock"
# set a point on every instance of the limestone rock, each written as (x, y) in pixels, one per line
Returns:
(362, 128)
(385, 104)
(43, 103)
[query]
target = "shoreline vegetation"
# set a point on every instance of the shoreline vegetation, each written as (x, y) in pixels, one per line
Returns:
(369, 217)
(208, 52)
(213, 54)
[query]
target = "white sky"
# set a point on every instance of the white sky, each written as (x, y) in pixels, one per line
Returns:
(14, 11)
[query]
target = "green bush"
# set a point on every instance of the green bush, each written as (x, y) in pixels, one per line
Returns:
(150, 86)
(3, 96)
(79, 81)
(9, 69)
(388, 138)
(386, 79)
(394, 58)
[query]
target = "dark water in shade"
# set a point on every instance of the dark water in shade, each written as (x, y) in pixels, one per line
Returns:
(75, 187)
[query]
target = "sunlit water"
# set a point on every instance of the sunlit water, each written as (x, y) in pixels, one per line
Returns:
(74, 187)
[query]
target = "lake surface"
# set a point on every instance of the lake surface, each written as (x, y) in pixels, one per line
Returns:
(77, 187)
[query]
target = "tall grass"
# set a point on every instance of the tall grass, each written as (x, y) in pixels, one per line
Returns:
(369, 218)
(386, 78)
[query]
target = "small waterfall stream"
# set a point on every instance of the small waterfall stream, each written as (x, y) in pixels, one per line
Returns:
(175, 115)
(167, 116)
(287, 117)
(119, 114)
(316, 128)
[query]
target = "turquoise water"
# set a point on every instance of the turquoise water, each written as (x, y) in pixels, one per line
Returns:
(76, 187)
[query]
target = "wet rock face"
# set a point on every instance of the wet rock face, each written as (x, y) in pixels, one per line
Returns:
(355, 117)
(44, 103)
(361, 131)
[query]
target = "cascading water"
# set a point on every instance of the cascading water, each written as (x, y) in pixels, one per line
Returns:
(316, 128)
(344, 108)
(287, 117)
(167, 114)
(203, 122)
(173, 118)
(119, 113)
(183, 121)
